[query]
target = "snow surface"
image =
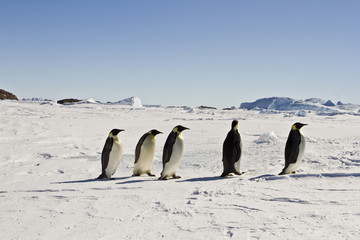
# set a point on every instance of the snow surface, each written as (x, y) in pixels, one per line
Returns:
(50, 157)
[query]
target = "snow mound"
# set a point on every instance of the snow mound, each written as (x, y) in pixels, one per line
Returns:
(302, 113)
(267, 138)
(88, 100)
(132, 101)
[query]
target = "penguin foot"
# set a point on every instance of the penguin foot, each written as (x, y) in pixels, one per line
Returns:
(151, 175)
(231, 174)
(224, 174)
(176, 177)
(162, 178)
(238, 173)
(101, 176)
(136, 175)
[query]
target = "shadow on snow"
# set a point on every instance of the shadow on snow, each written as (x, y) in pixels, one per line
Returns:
(91, 180)
(270, 177)
(204, 179)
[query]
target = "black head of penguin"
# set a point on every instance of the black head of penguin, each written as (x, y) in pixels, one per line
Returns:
(298, 126)
(115, 131)
(180, 128)
(154, 132)
(234, 124)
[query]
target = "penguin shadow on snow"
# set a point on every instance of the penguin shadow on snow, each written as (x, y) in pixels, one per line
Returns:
(204, 179)
(137, 180)
(91, 180)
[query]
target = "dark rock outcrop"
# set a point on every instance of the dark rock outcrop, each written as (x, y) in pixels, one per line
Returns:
(7, 95)
(68, 100)
(329, 103)
(207, 107)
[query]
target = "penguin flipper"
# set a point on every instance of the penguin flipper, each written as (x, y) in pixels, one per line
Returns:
(292, 148)
(168, 147)
(106, 153)
(238, 151)
(138, 146)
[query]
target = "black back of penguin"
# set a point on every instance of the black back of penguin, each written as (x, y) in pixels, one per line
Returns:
(231, 150)
(292, 147)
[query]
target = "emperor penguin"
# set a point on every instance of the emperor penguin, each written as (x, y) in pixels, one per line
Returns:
(144, 153)
(294, 149)
(232, 149)
(173, 153)
(111, 154)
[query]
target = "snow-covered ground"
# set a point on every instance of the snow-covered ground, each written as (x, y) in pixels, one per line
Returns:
(50, 155)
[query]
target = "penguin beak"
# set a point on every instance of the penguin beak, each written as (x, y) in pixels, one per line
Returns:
(185, 128)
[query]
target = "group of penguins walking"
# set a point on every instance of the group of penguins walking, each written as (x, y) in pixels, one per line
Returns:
(174, 149)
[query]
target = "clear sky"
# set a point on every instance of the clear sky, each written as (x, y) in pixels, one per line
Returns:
(185, 52)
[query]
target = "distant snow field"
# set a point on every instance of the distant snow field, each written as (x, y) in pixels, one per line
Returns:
(50, 157)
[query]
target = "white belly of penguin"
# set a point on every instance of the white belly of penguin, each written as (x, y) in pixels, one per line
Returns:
(177, 153)
(294, 166)
(146, 157)
(114, 158)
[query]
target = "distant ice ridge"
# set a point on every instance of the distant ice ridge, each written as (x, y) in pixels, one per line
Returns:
(37, 99)
(132, 101)
(88, 100)
(321, 107)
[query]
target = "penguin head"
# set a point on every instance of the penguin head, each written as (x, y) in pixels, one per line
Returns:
(154, 132)
(180, 128)
(234, 124)
(298, 126)
(115, 132)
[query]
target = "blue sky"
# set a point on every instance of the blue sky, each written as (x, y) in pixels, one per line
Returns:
(216, 53)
